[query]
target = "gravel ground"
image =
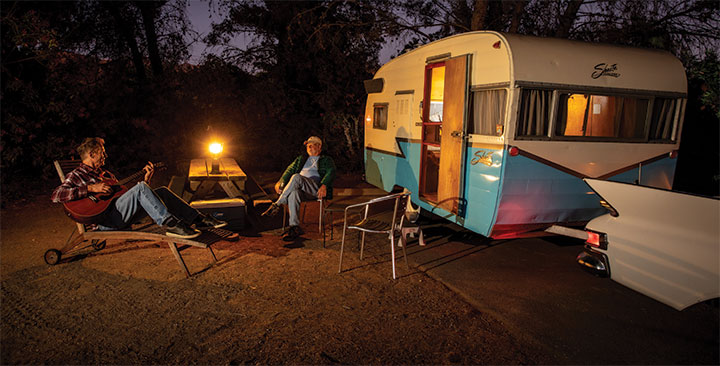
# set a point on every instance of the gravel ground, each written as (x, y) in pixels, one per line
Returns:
(263, 303)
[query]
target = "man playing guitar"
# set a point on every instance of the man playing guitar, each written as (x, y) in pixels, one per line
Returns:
(90, 180)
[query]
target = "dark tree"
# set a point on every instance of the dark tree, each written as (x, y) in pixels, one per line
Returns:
(310, 59)
(71, 69)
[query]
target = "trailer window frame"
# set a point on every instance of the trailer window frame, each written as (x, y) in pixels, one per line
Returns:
(645, 122)
(521, 110)
(678, 101)
(380, 120)
(503, 110)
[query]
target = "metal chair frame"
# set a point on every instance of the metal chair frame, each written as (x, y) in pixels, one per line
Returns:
(372, 222)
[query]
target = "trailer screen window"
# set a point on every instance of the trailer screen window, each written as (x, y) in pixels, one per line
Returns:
(535, 106)
(380, 115)
(488, 117)
(587, 115)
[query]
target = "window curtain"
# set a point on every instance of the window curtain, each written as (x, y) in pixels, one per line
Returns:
(662, 119)
(630, 122)
(535, 112)
(380, 117)
(488, 112)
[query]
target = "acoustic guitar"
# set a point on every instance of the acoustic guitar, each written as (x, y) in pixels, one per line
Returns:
(91, 209)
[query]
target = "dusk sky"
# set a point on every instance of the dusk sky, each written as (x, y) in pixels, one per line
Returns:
(201, 16)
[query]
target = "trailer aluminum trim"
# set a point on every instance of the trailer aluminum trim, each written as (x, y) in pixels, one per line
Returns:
(595, 89)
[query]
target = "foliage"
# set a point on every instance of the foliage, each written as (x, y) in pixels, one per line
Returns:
(705, 73)
(73, 69)
(313, 57)
(66, 76)
(679, 26)
(698, 169)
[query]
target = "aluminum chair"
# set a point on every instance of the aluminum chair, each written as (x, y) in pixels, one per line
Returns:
(383, 215)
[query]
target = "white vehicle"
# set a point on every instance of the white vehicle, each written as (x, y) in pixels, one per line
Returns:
(495, 131)
(660, 243)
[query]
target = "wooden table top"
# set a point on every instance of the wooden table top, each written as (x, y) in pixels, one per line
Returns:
(200, 170)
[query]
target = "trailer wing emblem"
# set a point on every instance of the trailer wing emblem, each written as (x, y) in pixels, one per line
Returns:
(604, 69)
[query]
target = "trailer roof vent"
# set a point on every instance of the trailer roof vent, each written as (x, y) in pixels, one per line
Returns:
(374, 85)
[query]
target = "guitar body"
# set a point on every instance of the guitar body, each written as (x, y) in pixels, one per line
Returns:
(92, 209)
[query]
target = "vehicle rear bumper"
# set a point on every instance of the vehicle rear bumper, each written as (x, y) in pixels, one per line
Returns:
(594, 262)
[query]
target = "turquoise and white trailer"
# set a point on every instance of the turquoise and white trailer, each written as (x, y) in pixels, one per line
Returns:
(496, 131)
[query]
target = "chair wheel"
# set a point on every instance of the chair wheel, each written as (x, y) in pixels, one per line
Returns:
(98, 244)
(52, 256)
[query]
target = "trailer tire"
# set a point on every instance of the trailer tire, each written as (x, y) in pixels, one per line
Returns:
(52, 257)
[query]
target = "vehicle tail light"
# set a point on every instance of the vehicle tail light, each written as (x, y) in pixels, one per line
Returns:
(596, 240)
(514, 151)
(673, 154)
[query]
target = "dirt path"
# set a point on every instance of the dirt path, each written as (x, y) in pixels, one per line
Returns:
(263, 303)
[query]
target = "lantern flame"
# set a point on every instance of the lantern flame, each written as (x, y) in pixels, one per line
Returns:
(216, 148)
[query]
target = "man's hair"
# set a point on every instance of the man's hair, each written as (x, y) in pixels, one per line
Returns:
(89, 145)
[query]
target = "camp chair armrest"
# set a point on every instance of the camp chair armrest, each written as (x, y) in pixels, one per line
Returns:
(375, 200)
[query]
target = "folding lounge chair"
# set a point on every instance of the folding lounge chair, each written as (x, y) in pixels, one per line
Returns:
(148, 231)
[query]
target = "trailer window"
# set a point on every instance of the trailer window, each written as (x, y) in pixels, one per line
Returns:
(437, 94)
(590, 115)
(663, 116)
(488, 117)
(380, 115)
(535, 109)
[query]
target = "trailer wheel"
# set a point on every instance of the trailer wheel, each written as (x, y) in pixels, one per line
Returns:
(98, 244)
(52, 257)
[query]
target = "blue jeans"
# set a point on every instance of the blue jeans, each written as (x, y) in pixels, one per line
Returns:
(298, 189)
(140, 201)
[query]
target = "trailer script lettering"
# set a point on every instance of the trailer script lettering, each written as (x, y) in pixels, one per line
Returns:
(482, 157)
(605, 70)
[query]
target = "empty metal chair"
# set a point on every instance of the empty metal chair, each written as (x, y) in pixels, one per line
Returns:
(384, 215)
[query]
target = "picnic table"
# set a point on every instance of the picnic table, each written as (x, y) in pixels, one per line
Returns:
(202, 180)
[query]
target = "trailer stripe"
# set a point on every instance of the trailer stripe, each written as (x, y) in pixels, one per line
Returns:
(630, 167)
(550, 163)
(401, 154)
(581, 175)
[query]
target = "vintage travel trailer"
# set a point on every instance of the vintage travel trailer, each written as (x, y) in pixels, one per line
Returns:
(496, 131)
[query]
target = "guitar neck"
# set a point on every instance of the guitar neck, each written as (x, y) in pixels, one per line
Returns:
(138, 174)
(131, 178)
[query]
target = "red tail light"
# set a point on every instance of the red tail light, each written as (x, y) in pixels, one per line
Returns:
(514, 151)
(597, 240)
(673, 154)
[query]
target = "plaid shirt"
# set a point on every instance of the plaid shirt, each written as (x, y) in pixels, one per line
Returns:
(77, 181)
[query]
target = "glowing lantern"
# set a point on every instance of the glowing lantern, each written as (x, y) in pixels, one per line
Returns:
(215, 149)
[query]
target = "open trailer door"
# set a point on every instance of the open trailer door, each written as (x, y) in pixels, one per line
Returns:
(444, 115)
